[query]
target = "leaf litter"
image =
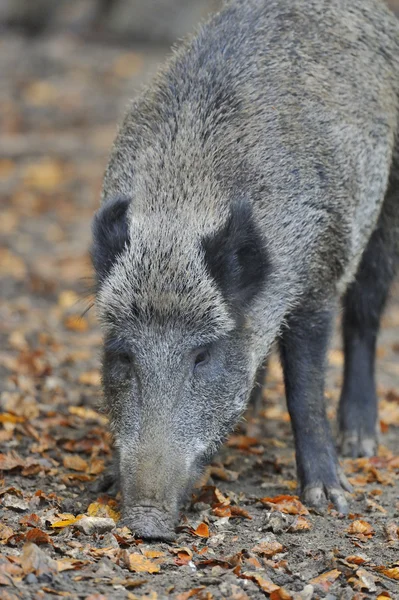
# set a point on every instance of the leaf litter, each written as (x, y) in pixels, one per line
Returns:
(245, 534)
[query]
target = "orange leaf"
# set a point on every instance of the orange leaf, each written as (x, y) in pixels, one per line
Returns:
(286, 504)
(391, 572)
(75, 462)
(30, 520)
(222, 511)
(97, 509)
(190, 593)
(268, 549)
(265, 584)
(5, 532)
(356, 560)
(202, 530)
(361, 527)
(139, 564)
(280, 594)
(237, 511)
(300, 524)
(37, 536)
(325, 580)
(153, 553)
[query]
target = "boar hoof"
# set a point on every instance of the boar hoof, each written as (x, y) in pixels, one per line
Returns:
(318, 496)
(354, 444)
(150, 523)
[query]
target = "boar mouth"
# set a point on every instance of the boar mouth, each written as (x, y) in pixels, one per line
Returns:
(149, 522)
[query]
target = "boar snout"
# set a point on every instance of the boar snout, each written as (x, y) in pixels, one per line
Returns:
(150, 522)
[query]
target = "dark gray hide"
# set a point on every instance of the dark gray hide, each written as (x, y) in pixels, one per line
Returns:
(251, 186)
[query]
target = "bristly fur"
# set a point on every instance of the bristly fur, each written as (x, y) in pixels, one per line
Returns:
(291, 106)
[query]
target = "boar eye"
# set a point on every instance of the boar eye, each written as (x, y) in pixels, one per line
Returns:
(201, 357)
(125, 358)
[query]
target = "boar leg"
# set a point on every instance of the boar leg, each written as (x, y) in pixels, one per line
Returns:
(256, 397)
(363, 305)
(303, 348)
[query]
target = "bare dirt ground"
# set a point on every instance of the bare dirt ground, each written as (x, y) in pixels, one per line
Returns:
(245, 534)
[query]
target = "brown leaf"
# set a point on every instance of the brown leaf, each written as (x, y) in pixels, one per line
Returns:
(11, 461)
(286, 504)
(30, 520)
(391, 572)
(37, 536)
(392, 532)
(184, 555)
(266, 585)
(152, 553)
(237, 511)
(268, 549)
(96, 466)
(34, 560)
(356, 560)
(325, 580)
(138, 563)
(190, 593)
(108, 508)
(75, 462)
(300, 523)
(5, 532)
(280, 594)
(360, 527)
(202, 530)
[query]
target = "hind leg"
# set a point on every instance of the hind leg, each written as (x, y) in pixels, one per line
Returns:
(363, 305)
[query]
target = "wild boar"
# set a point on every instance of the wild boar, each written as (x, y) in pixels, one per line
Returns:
(253, 185)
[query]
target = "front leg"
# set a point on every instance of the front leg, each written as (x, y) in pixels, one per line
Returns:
(303, 348)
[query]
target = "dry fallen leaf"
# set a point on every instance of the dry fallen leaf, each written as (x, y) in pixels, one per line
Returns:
(391, 572)
(392, 532)
(268, 549)
(34, 560)
(325, 580)
(266, 585)
(190, 594)
(75, 462)
(300, 523)
(138, 563)
(5, 532)
(202, 530)
(38, 536)
(286, 504)
(360, 527)
(104, 509)
(66, 522)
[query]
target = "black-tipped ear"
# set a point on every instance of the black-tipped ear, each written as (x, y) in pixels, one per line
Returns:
(110, 235)
(237, 258)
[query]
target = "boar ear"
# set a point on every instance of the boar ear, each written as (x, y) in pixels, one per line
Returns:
(110, 235)
(236, 257)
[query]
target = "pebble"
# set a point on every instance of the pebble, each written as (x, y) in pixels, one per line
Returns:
(90, 525)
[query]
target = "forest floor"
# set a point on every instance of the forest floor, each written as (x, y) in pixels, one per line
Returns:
(245, 534)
